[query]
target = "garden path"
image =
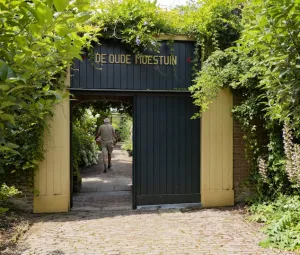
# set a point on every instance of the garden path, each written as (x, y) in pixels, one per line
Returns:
(106, 191)
(173, 231)
(102, 223)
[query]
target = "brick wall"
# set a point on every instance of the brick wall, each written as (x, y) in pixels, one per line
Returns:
(240, 164)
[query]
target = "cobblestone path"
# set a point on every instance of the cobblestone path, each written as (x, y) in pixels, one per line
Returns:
(102, 223)
(206, 231)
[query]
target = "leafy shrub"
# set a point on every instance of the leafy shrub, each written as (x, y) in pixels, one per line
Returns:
(125, 128)
(5, 193)
(282, 219)
(127, 145)
(84, 147)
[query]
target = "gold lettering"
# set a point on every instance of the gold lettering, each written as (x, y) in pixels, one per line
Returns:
(97, 58)
(111, 58)
(165, 60)
(137, 60)
(174, 60)
(150, 60)
(123, 59)
(155, 60)
(100, 58)
(144, 60)
(103, 60)
(160, 60)
(128, 59)
(117, 59)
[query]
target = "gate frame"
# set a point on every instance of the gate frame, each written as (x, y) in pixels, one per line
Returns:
(53, 179)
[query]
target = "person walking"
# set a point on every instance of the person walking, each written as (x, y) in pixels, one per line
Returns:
(107, 135)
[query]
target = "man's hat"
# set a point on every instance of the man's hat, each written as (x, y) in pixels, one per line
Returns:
(106, 120)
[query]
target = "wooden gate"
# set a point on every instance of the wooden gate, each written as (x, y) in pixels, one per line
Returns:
(166, 150)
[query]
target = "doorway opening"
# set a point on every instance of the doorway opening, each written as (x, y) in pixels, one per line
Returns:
(92, 187)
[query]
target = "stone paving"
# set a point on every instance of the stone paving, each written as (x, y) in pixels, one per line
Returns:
(106, 191)
(204, 231)
(102, 222)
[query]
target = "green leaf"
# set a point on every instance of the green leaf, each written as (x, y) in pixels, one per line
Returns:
(61, 5)
(44, 14)
(12, 145)
(6, 104)
(46, 88)
(7, 117)
(3, 210)
(5, 71)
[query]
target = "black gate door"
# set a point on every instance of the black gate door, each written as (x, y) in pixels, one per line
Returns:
(166, 151)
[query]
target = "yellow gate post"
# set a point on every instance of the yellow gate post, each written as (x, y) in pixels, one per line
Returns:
(217, 153)
(52, 180)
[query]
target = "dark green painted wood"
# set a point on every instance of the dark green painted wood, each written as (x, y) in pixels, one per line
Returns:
(87, 74)
(167, 150)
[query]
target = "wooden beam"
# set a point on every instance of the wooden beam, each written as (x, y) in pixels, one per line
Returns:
(163, 37)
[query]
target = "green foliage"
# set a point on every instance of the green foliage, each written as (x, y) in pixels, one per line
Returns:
(84, 148)
(125, 133)
(271, 40)
(127, 145)
(38, 42)
(282, 219)
(5, 193)
(214, 24)
(125, 128)
(263, 69)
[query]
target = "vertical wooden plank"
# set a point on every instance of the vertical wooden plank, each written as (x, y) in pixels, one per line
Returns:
(188, 147)
(130, 74)
(230, 140)
(188, 58)
(219, 151)
(157, 143)
(195, 151)
(144, 151)
(136, 144)
(75, 74)
(149, 77)
(110, 69)
(214, 145)
(176, 144)
(50, 170)
(170, 73)
(156, 76)
(123, 70)
(89, 74)
(82, 73)
(143, 82)
(170, 136)
(205, 150)
(117, 68)
(181, 60)
(42, 176)
(150, 145)
(57, 171)
(163, 144)
(162, 70)
(103, 73)
(225, 140)
(183, 141)
(177, 69)
(65, 148)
